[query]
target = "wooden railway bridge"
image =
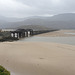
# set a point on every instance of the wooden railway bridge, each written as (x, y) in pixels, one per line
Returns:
(16, 34)
(21, 33)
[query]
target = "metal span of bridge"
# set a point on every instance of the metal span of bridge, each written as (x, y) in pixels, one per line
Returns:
(21, 33)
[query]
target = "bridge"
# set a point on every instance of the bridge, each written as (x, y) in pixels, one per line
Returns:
(22, 33)
(16, 34)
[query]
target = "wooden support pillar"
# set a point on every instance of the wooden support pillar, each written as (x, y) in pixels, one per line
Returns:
(13, 35)
(26, 33)
(19, 35)
(23, 34)
(30, 33)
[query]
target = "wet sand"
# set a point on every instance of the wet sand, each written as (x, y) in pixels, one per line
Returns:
(59, 33)
(38, 58)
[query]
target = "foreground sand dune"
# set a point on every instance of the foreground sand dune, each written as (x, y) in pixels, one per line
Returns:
(38, 58)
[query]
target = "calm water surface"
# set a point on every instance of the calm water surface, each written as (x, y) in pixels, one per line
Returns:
(69, 33)
(63, 40)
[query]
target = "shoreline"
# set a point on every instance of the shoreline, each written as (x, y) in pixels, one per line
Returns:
(38, 58)
(59, 33)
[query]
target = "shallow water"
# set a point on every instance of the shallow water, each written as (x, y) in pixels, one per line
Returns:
(63, 40)
(69, 33)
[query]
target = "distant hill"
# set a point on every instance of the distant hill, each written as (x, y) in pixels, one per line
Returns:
(11, 19)
(63, 17)
(35, 27)
(61, 21)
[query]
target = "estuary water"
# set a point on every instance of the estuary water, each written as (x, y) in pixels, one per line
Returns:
(69, 33)
(62, 40)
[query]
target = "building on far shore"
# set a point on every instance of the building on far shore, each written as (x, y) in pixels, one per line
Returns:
(3, 30)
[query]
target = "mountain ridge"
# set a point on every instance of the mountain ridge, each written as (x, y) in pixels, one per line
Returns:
(60, 21)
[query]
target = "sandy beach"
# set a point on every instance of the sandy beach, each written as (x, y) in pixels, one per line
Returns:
(59, 33)
(38, 58)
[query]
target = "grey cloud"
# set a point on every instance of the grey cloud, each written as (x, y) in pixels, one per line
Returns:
(24, 8)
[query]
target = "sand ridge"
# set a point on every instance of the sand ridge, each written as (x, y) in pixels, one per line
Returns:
(59, 33)
(38, 58)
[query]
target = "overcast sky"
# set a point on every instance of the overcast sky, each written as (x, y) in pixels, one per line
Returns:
(26, 8)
